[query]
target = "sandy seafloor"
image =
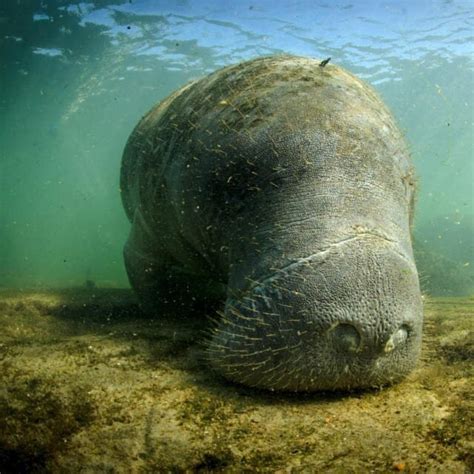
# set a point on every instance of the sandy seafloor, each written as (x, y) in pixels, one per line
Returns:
(88, 384)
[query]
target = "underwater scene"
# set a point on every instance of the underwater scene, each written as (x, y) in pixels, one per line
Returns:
(236, 236)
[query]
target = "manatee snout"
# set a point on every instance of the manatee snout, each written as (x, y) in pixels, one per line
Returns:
(341, 319)
(285, 191)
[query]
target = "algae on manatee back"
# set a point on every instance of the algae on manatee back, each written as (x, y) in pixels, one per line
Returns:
(89, 384)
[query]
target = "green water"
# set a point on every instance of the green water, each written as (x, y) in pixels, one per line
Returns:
(76, 77)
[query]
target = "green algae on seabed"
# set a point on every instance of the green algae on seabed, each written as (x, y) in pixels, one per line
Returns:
(88, 384)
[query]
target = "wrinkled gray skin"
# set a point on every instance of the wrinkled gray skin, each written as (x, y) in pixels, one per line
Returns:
(286, 189)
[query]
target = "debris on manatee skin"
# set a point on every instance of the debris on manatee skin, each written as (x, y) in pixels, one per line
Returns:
(323, 63)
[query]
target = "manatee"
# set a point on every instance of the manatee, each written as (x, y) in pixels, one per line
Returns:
(284, 190)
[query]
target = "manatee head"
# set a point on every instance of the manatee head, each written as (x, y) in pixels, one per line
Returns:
(323, 291)
(348, 316)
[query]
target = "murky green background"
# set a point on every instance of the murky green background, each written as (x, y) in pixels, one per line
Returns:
(76, 76)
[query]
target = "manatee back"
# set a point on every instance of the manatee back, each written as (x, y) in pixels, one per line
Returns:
(222, 153)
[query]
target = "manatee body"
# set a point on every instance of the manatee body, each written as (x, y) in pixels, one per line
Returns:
(285, 189)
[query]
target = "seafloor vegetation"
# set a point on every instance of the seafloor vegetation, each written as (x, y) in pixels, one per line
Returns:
(90, 385)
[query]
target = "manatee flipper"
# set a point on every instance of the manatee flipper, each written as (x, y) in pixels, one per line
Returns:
(162, 283)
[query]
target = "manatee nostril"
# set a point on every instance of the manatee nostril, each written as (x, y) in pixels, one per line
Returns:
(398, 338)
(346, 338)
